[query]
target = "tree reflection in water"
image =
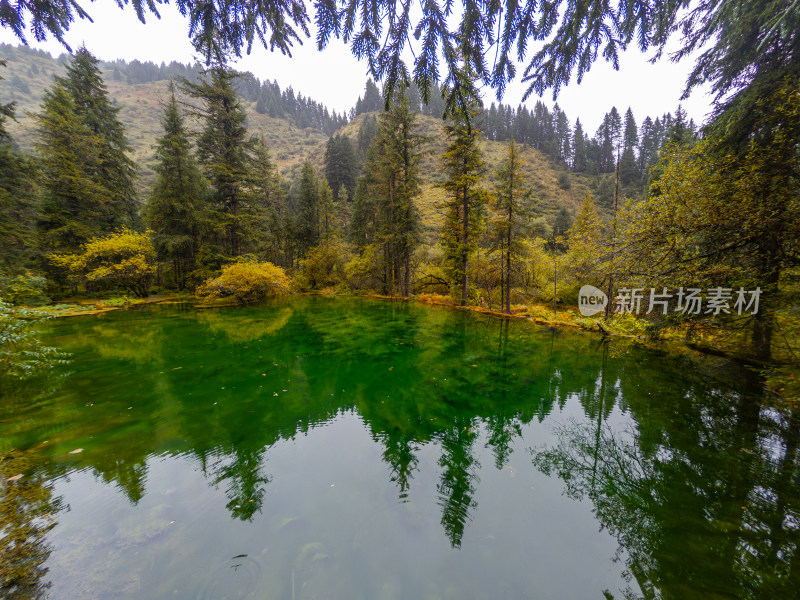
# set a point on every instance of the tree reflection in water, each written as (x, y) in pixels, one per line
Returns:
(699, 485)
(703, 503)
(27, 513)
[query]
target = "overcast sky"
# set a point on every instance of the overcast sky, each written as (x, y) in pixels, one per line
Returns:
(335, 78)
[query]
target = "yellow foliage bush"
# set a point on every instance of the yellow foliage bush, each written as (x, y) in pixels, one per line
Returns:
(126, 258)
(247, 282)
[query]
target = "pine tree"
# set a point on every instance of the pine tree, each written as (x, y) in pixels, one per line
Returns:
(390, 183)
(18, 210)
(366, 131)
(561, 225)
(648, 147)
(340, 165)
(117, 172)
(341, 213)
(327, 211)
(580, 159)
(630, 134)
(464, 209)
(175, 206)
(87, 177)
(264, 214)
(307, 222)
(223, 149)
(511, 204)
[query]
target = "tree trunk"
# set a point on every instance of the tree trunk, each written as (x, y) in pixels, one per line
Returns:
(465, 246)
(508, 266)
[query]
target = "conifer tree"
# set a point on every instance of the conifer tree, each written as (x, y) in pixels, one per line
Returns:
(630, 133)
(341, 213)
(579, 158)
(465, 206)
(340, 165)
(363, 222)
(223, 149)
(18, 210)
(511, 204)
(87, 177)
(326, 210)
(561, 225)
(264, 215)
(307, 223)
(174, 210)
(390, 183)
(117, 172)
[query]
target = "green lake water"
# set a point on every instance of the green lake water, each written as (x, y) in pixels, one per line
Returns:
(354, 449)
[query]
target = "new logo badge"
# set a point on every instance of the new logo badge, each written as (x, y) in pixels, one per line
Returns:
(591, 300)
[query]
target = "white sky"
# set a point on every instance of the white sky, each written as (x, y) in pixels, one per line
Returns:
(335, 78)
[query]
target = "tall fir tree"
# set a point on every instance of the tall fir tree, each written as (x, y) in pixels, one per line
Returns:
(176, 207)
(224, 151)
(264, 215)
(84, 81)
(327, 213)
(340, 165)
(307, 221)
(465, 206)
(87, 176)
(389, 186)
(512, 208)
(18, 207)
(579, 157)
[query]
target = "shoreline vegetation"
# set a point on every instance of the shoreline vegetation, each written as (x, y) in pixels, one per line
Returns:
(686, 338)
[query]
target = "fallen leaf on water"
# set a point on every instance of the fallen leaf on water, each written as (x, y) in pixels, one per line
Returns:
(14, 478)
(77, 451)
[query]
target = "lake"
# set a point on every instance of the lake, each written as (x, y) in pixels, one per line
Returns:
(344, 448)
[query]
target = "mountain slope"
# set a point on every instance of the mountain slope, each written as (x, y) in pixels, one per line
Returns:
(30, 72)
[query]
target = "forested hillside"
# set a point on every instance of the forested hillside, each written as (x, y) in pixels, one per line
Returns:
(296, 128)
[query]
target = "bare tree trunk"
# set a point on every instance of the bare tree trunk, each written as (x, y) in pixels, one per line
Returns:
(508, 265)
(613, 243)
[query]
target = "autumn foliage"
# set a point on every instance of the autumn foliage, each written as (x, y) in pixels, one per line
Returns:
(246, 281)
(125, 258)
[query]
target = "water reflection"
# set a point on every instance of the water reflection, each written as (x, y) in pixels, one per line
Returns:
(702, 496)
(697, 481)
(27, 509)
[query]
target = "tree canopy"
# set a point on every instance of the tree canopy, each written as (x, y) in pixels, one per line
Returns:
(486, 39)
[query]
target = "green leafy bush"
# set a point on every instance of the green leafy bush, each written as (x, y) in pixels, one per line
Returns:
(21, 352)
(25, 288)
(324, 266)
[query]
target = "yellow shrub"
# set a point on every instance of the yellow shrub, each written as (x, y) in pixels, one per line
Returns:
(247, 282)
(126, 258)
